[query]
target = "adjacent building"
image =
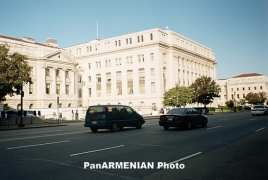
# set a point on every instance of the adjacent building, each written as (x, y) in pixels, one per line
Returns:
(236, 88)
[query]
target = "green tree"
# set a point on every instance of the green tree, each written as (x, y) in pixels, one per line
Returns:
(205, 90)
(256, 98)
(229, 103)
(185, 95)
(14, 71)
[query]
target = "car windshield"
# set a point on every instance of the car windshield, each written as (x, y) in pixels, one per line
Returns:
(177, 111)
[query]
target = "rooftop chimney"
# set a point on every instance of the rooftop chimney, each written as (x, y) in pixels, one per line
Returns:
(52, 42)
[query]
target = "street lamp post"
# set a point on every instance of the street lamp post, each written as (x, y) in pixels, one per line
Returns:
(176, 95)
(21, 108)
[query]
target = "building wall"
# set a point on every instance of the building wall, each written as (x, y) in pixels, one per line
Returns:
(238, 87)
(166, 57)
(40, 58)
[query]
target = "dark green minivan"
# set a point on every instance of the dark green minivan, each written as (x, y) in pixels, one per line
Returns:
(112, 117)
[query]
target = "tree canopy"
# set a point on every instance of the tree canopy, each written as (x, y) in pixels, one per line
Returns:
(185, 95)
(255, 98)
(14, 71)
(205, 90)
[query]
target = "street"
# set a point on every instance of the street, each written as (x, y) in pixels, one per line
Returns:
(232, 146)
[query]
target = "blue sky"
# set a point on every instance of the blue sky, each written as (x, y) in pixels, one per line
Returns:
(236, 30)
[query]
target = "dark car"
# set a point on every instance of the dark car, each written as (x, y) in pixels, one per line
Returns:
(183, 118)
(112, 117)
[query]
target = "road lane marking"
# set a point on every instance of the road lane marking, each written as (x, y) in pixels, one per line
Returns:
(252, 119)
(187, 157)
(97, 150)
(32, 137)
(214, 127)
(260, 129)
(38, 145)
(42, 132)
(223, 119)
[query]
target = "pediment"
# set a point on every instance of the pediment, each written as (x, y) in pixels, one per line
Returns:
(61, 56)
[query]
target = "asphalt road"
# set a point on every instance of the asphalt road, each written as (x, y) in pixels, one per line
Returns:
(232, 146)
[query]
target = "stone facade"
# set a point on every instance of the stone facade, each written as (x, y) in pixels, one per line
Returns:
(50, 67)
(134, 69)
(236, 88)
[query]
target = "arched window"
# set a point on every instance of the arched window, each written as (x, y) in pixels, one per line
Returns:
(50, 105)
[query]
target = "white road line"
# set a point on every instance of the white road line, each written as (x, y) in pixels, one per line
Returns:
(214, 127)
(97, 150)
(187, 157)
(38, 145)
(260, 129)
(42, 132)
(223, 119)
(252, 119)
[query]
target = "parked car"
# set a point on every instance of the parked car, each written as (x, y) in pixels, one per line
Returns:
(112, 117)
(259, 110)
(182, 118)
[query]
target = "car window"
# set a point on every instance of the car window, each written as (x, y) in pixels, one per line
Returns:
(258, 107)
(129, 110)
(176, 111)
(95, 110)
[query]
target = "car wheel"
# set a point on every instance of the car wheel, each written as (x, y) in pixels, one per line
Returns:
(205, 123)
(166, 127)
(94, 129)
(114, 127)
(189, 125)
(138, 125)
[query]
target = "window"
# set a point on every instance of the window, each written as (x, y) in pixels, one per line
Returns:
(89, 79)
(67, 89)
(141, 38)
(255, 88)
(47, 72)
(79, 79)
(130, 40)
(141, 81)
(119, 83)
(130, 82)
(141, 58)
(126, 41)
(118, 61)
(89, 66)
(58, 89)
(152, 87)
(47, 88)
(80, 93)
(260, 87)
(89, 92)
(152, 72)
(57, 73)
(138, 39)
(151, 36)
(152, 56)
(248, 88)
(30, 88)
(108, 84)
(66, 74)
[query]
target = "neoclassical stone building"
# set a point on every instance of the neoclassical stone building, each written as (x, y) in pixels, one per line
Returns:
(54, 74)
(134, 69)
(236, 88)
